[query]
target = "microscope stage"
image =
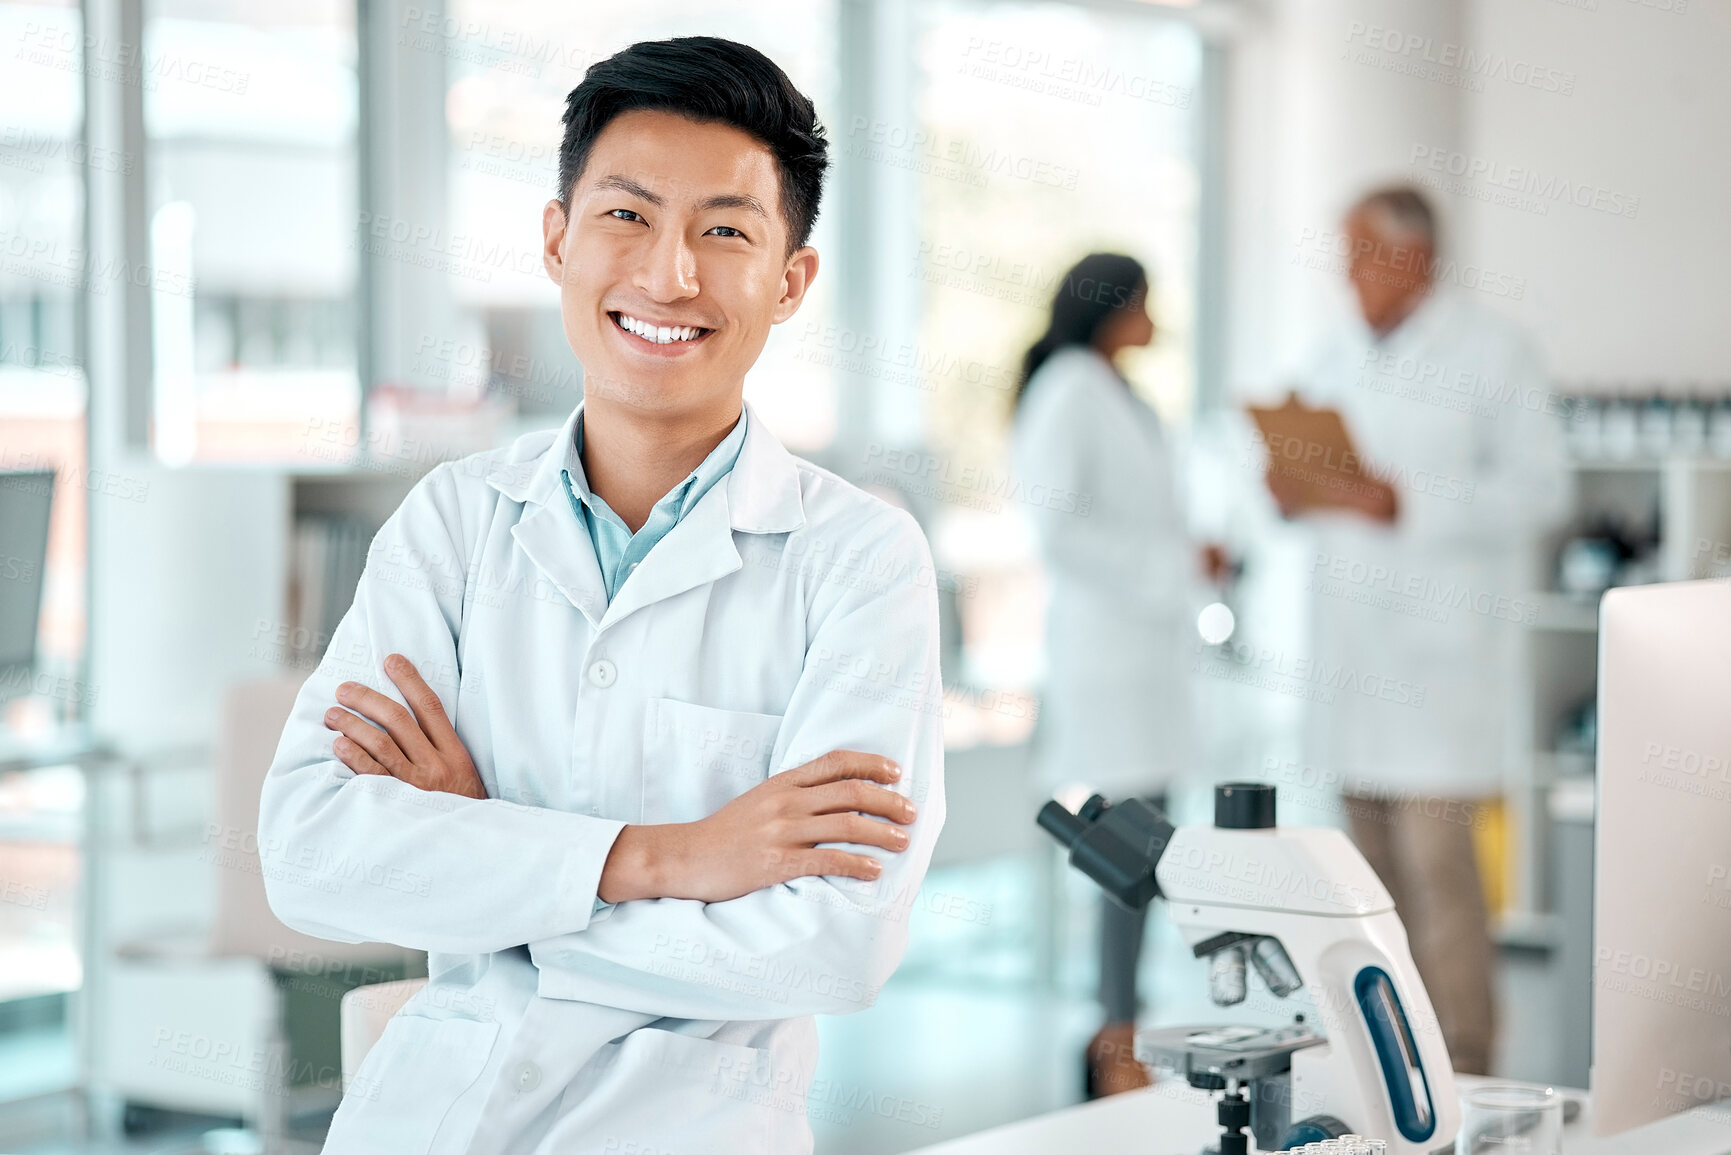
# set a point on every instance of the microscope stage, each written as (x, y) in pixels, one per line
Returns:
(1227, 1052)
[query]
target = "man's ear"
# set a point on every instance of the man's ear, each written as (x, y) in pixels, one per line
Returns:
(795, 281)
(553, 222)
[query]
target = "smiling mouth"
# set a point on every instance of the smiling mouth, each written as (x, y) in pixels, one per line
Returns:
(660, 334)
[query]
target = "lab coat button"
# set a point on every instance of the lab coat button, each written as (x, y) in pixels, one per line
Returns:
(528, 1076)
(603, 673)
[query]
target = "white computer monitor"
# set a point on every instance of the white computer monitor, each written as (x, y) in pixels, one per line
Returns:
(25, 500)
(1662, 925)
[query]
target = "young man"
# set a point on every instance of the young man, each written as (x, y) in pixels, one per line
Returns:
(640, 720)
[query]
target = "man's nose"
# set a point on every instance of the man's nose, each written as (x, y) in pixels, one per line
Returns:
(669, 269)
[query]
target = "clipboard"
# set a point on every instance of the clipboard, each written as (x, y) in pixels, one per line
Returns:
(1311, 450)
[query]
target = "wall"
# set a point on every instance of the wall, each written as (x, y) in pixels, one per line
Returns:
(1615, 300)
(1522, 107)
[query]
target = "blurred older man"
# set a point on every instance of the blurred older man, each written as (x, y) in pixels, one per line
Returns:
(1420, 583)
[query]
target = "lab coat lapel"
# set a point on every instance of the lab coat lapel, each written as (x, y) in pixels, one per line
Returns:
(759, 495)
(695, 552)
(554, 540)
(549, 532)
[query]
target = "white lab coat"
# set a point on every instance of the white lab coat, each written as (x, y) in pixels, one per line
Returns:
(1419, 626)
(787, 615)
(1096, 477)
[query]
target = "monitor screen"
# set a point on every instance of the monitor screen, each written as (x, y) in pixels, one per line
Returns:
(24, 503)
(1662, 927)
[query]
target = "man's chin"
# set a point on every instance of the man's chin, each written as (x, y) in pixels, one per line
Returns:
(660, 389)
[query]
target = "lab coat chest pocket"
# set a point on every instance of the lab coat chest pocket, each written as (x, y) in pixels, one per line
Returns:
(408, 1082)
(699, 758)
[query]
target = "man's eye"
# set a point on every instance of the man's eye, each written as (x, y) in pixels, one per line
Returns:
(727, 231)
(624, 215)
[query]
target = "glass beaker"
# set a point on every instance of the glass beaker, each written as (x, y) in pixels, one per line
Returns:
(1508, 1120)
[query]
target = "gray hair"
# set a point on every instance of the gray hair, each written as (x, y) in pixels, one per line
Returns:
(1401, 213)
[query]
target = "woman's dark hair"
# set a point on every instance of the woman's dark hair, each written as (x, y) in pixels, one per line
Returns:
(1099, 285)
(704, 78)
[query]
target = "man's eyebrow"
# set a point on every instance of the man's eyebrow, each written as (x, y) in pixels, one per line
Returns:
(734, 201)
(719, 201)
(626, 185)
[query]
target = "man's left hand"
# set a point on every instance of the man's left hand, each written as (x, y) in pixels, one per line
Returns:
(382, 737)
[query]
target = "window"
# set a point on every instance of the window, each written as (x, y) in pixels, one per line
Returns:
(43, 392)
(42, 272)
(1043, 132)
(250, 111)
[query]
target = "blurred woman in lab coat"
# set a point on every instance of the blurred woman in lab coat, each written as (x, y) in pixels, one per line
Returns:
(1094, 470)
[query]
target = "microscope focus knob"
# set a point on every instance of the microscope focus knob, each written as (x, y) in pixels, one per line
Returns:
(1315, 1129)
(1244, 806)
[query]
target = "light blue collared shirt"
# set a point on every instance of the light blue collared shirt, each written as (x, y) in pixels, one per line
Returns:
(618, 551)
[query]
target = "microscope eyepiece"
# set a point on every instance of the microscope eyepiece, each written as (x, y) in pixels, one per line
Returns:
(1062, 825)
(1244, 806)
(1118, 845)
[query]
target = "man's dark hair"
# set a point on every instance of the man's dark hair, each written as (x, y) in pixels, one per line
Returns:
(704, 78)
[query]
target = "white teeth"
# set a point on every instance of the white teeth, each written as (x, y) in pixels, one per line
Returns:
(659, 334)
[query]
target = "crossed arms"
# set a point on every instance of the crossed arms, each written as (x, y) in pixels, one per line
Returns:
(802, 884)
(770, 834)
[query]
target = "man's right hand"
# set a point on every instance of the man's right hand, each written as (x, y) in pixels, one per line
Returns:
(1358, 492)
(768, 835)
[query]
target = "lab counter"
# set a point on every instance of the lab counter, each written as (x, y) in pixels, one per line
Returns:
(1170, 1118)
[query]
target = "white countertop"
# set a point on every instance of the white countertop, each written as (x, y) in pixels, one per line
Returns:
(1170, 1118)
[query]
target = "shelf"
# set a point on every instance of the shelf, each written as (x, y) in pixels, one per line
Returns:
(1681, 496)
(1527, 930)
(1565, 613)
(1649, 464)
(381, 468)
(1573, 800)
(1560, 766)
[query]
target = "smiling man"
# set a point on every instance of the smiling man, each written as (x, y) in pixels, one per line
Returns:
(635, 725)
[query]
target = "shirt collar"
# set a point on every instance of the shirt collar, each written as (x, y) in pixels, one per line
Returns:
(1424, 316)
(764, 489)
(682, 496)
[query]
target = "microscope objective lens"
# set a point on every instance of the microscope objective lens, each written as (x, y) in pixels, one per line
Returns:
(1275, 967)
(1226, 977)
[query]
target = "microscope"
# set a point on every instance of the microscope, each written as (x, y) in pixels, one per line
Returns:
(1301, 908)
